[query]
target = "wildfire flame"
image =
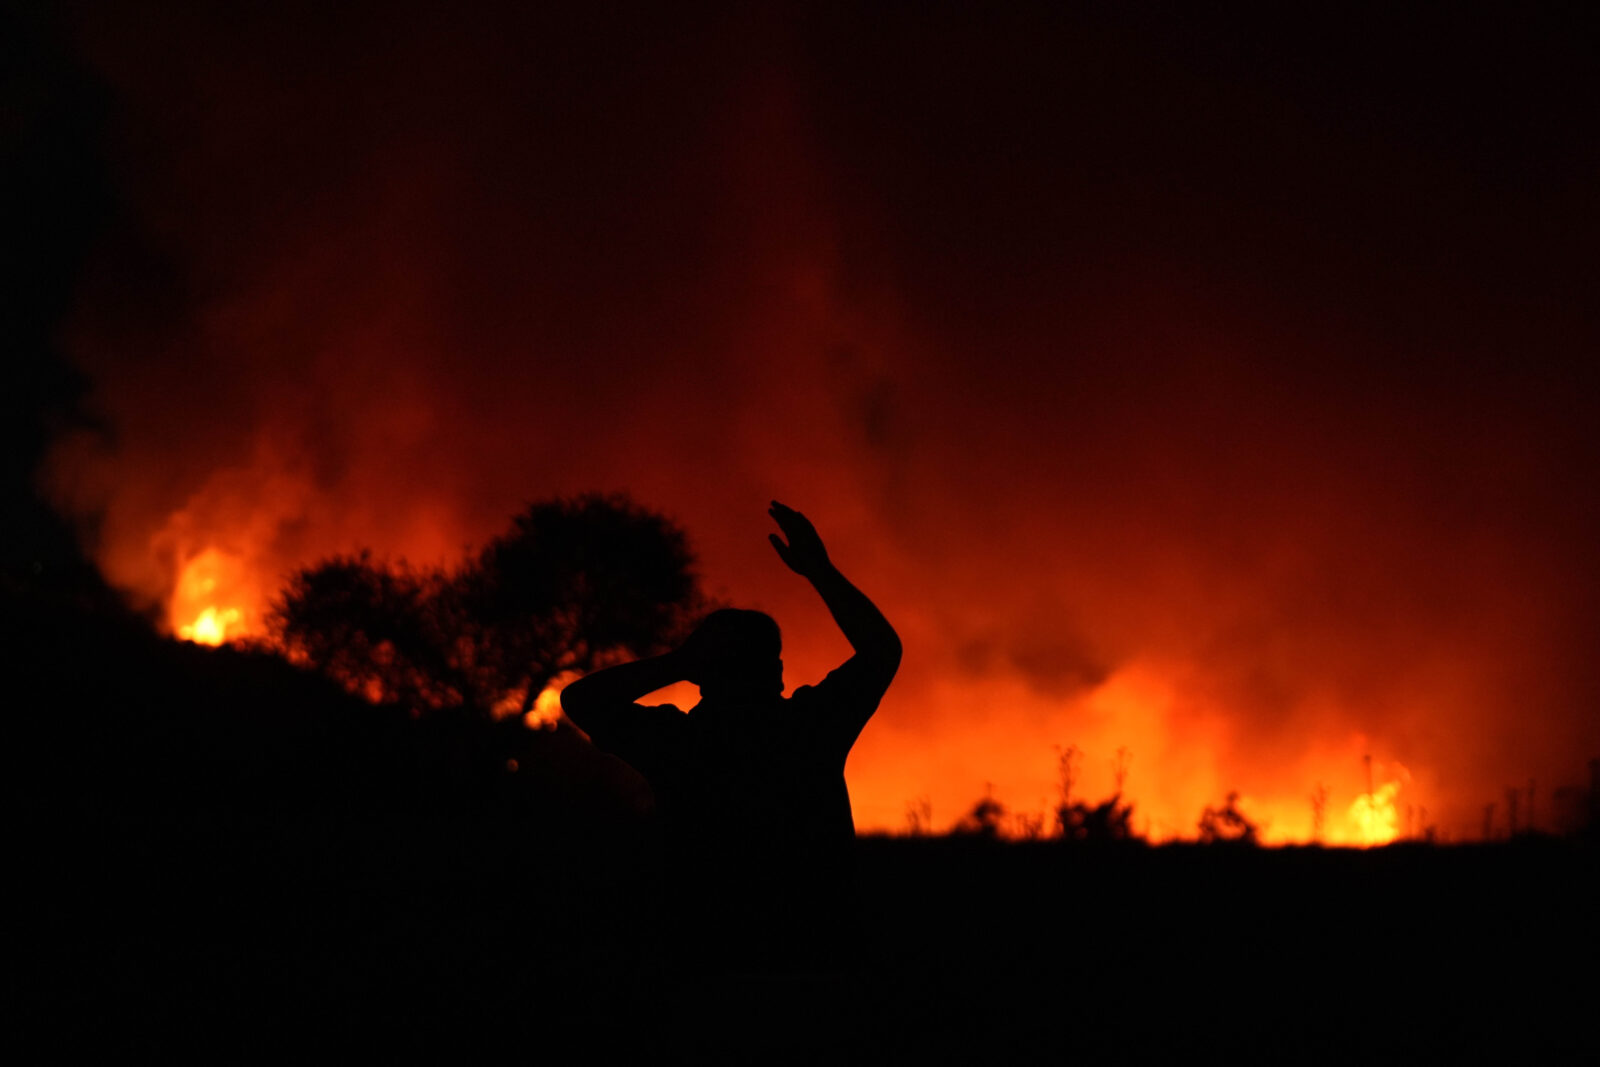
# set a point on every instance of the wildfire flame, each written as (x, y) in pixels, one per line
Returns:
(219, 597)
(211, 626)
(1372, 816)
(546, 710)
(213, 601)
(1248, 519)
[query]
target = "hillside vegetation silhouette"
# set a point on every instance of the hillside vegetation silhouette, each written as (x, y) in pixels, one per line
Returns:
(216, 843)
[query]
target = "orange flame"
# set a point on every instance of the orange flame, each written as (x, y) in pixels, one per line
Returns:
(211, 627)
(1372, 817)
(219, 597)
(214, 600)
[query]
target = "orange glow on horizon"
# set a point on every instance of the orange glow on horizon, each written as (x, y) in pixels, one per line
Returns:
(1222, 495)
(1137, 730)
(1132, 729)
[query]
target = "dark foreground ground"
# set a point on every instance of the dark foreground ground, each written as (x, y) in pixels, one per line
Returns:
(214, 857)
(203, 939)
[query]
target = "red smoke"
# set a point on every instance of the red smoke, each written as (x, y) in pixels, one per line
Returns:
(1160, 409)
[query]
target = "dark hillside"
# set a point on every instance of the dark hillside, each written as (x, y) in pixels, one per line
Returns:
(226, 853)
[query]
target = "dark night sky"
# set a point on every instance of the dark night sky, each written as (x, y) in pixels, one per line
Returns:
(1218, 385)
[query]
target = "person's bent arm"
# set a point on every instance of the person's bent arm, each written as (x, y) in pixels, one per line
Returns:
(869, 633)
(595, 700)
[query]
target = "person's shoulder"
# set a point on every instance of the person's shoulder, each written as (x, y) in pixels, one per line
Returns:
(661, 717)
(854, 673)
(650, 713)
(801, 696)
(841, 683)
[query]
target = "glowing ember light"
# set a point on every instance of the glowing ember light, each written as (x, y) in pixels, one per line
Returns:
(208, 601)
(547, 706)
(211, 627)
(1372, 816)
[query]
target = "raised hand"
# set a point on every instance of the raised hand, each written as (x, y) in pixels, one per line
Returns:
(804, 552)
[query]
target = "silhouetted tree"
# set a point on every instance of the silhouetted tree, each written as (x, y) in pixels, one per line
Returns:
(378, 629)
(575, 584)
(1227, 825)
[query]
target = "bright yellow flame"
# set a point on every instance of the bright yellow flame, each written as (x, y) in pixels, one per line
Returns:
(1372, 816)
(546, 708)
(547, 705)
(211, 628)
(210, 600)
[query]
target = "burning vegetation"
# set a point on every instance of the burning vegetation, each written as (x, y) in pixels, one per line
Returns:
(1254, 473)
(1211, 390)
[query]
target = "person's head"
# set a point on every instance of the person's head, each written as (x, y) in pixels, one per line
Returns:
(738, 654)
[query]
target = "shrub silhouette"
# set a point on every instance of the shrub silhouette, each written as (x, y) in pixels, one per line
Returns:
(575, 584)
(984, 820)
(1227, 825)
(1077, 820)
(1107, 821)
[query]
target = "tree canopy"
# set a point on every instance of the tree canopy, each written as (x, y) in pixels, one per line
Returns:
(575, 584)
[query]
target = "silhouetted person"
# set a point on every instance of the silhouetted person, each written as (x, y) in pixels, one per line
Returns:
(750, 783)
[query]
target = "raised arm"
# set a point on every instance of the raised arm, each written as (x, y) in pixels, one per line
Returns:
(597, 701)
(876, 644)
